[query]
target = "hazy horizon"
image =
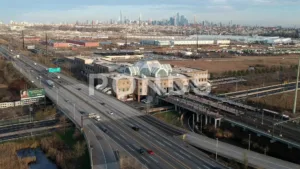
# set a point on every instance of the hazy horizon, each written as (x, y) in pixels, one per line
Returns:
(245, 12)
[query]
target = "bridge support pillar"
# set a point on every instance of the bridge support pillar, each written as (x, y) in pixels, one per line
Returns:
(175, 107)
(205, 119)
(197, 118)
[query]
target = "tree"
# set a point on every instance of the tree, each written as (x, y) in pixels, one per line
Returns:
(79, 149)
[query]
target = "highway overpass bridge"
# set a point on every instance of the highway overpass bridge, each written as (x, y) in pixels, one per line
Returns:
(114, 132)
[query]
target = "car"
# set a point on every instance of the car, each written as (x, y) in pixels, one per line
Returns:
(82, 112)
(102, 103)
(66, 100)
(105, 130)
(111, 113)
(145, 101)
(78, 88)
(135, 128)
(142, 150)
(150, 152)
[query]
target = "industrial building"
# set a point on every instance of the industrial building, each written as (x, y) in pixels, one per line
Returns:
(243, 39)
(31, 39)
(56, 44)
(183, 42)
(83, 43)
(121, 55)
(137, 81)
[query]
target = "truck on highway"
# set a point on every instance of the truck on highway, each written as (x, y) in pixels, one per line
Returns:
(50, 83)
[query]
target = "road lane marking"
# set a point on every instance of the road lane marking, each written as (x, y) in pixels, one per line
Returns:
(167, 143)
(185, 154)
(122, 136)
(130, 147)
(205, 166)
(160, 143)
(179, 155)
(145, 159)
(153, 159)
(117, 137)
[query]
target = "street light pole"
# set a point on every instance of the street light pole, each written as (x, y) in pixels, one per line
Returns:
(217, 145)
(262, 117)
(201, 124)
(249, 142)
(193, 122)
(74, 110)
(56, 96)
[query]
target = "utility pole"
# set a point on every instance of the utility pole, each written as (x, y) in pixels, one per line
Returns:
(217, 146)
(249, 142)
(197, 39)
(23, 40)
(296, 91)
(46, 45)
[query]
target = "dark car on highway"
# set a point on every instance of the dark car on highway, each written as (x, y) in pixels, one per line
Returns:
(142, 150)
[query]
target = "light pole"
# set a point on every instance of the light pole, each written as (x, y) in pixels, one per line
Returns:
(217, 145)
(262, 117)
(74, 110)
(56, 96)
(193, 122)
(91, 147)
(201, 124)
(249, 142)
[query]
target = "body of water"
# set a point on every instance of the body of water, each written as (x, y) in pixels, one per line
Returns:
(42, 162)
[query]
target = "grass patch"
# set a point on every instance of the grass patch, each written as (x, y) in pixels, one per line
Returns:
(170, 117)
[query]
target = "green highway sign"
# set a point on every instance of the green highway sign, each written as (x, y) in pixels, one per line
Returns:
(54, 70)
(36, 92)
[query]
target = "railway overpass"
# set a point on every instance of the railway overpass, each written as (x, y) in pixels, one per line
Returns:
(237, 114)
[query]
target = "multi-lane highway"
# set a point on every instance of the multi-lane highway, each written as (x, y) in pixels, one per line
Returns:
(115, 130)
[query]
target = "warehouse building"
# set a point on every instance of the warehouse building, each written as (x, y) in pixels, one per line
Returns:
(84, 43)
(56, 44)
(183, 42)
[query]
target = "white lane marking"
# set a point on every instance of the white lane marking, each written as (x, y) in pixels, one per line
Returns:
(205, 166)
(185, 154)
(117, 137)
(179, 155)
(122, 136)
(130, 147)
(145, 159)
(160, 143)
(167, 143)
(153, 159)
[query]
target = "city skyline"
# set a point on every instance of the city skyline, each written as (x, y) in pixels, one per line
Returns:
(251, 12)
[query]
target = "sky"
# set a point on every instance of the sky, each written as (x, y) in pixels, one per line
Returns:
(245, 12)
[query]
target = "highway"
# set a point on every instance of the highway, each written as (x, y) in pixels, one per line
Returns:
(169, 153)
(256, 160)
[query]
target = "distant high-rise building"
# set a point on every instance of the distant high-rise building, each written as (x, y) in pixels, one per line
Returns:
(121, 18)
(177, 19)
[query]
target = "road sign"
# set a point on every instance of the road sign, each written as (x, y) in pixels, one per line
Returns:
(32, 93)
(54, 70)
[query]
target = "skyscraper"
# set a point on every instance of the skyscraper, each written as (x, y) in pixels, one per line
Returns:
(121, 17)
